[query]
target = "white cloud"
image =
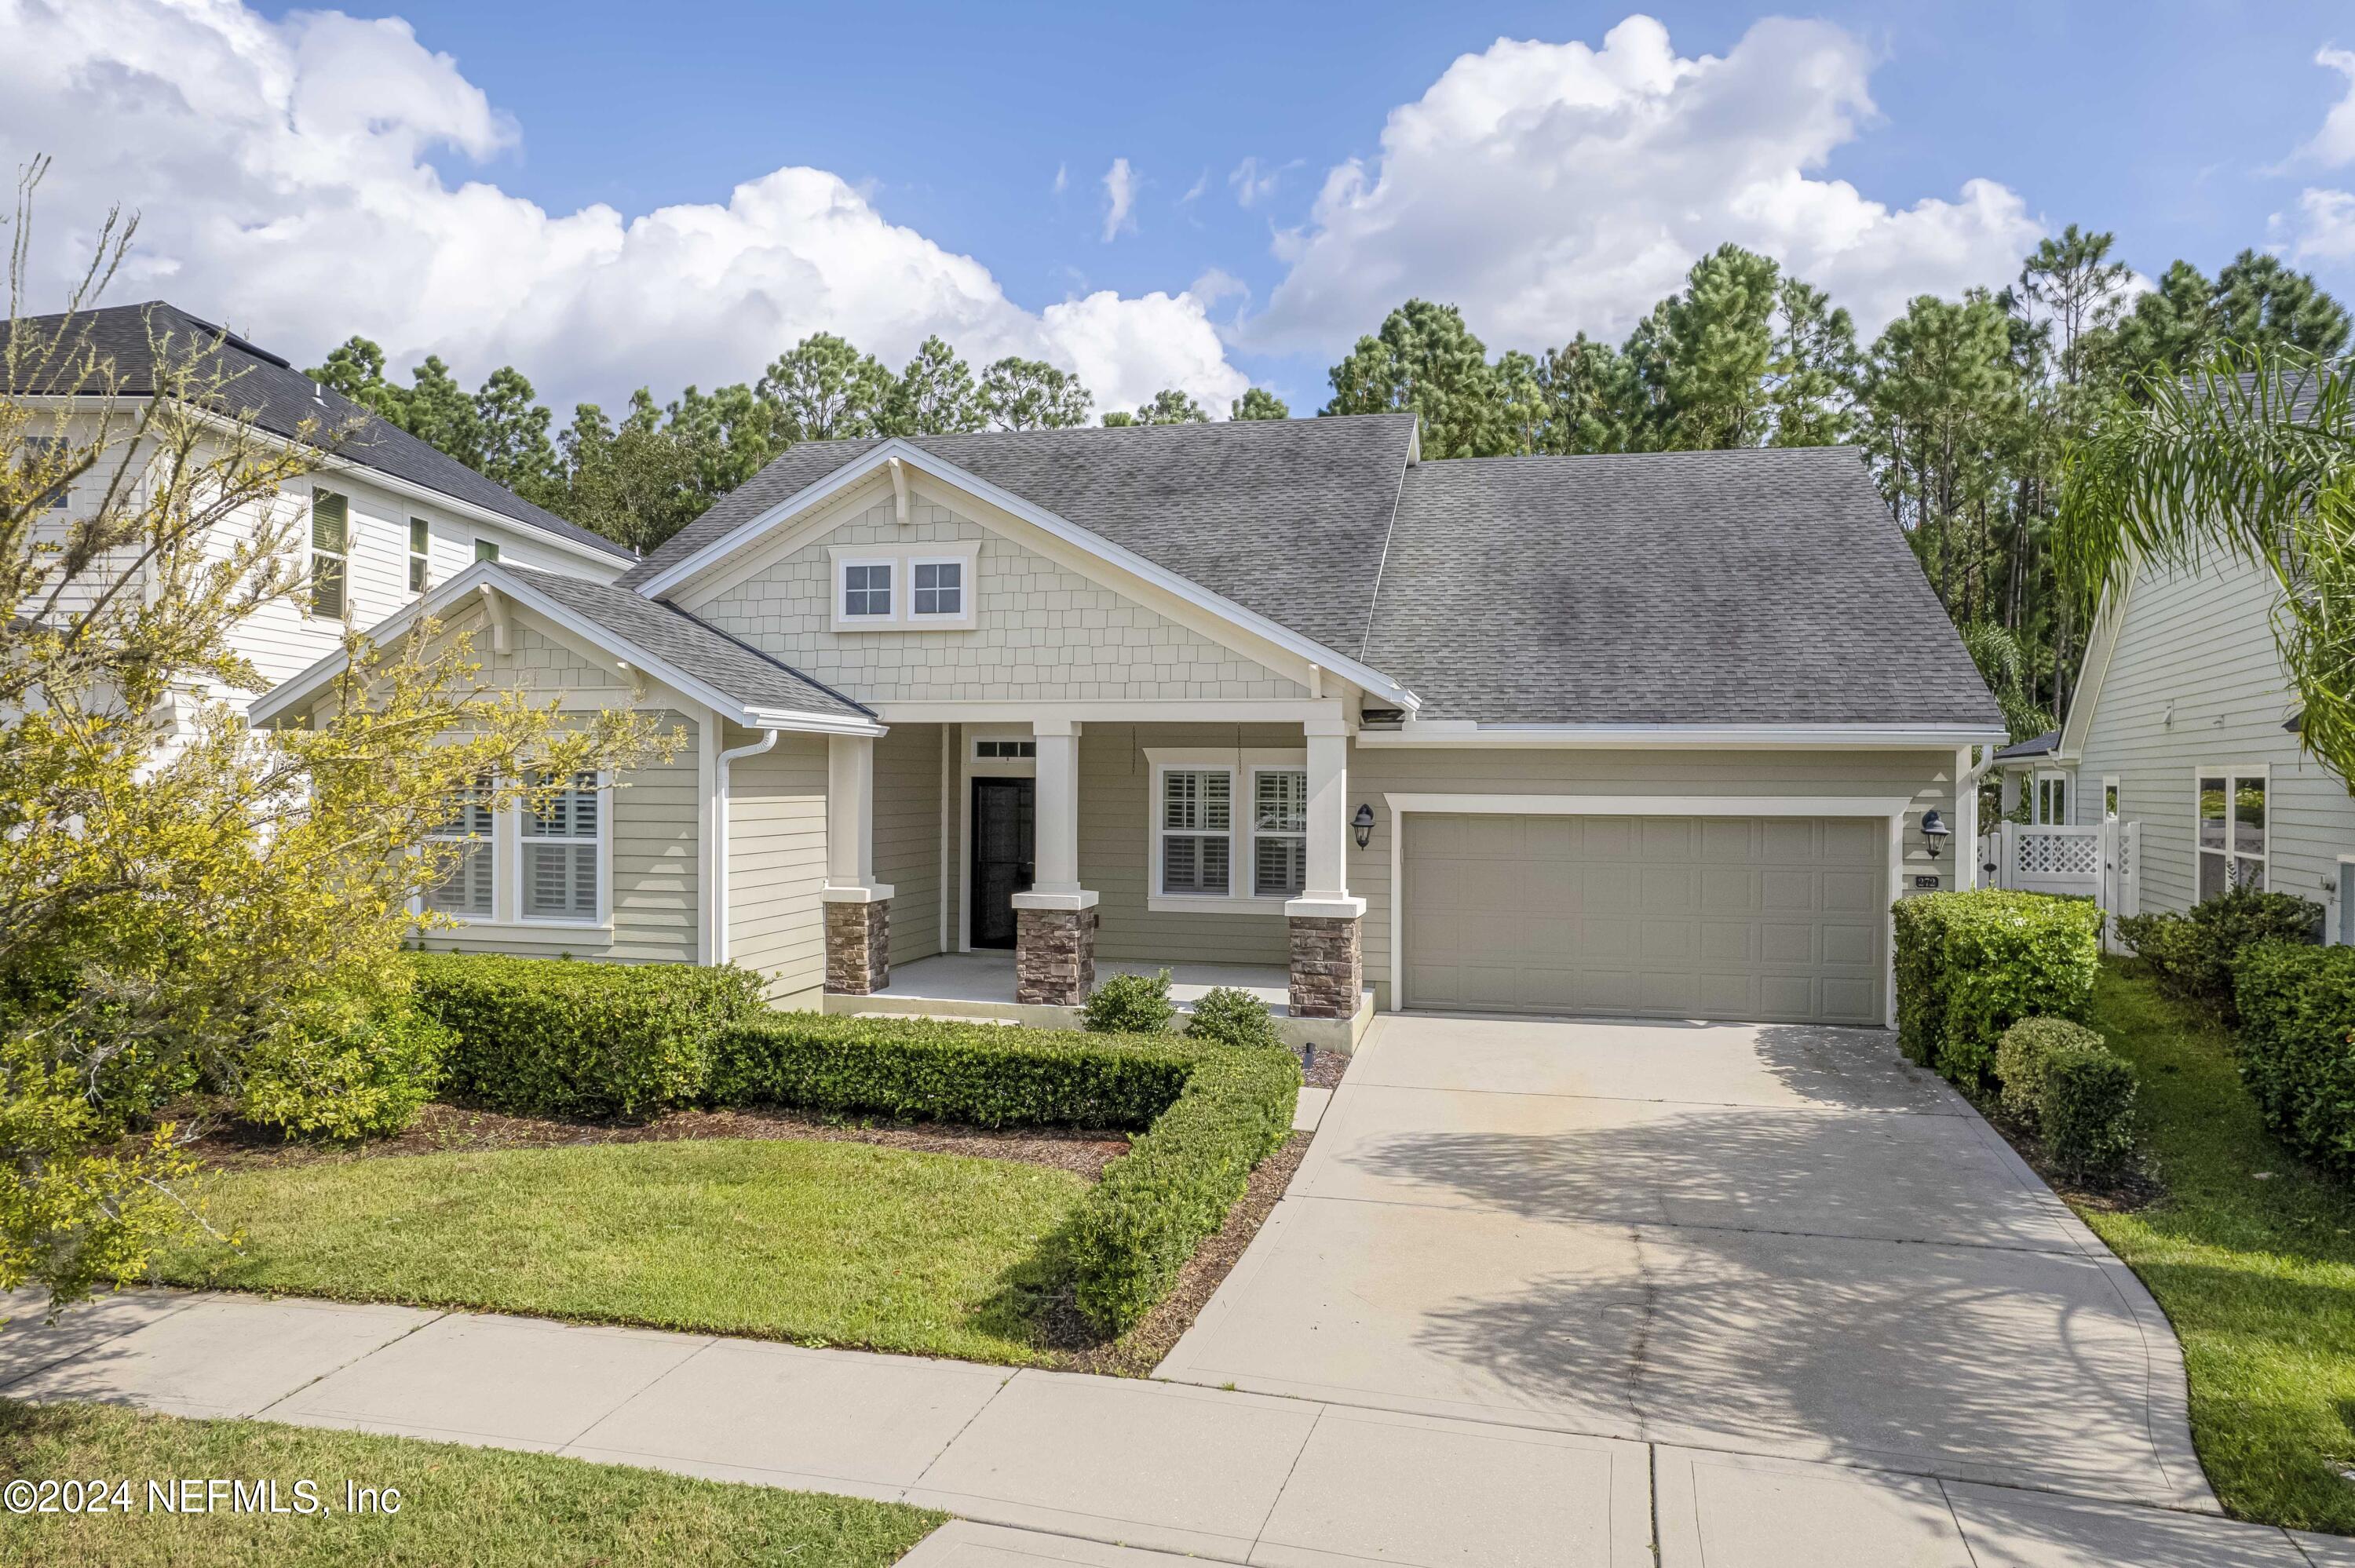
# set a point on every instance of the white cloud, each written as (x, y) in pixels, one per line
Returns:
(1120, 183)
(2324, 230)
(282, 171)
(1194, 192)
(1550, 188)
(1062, 178)
(2334, 144)
(1254, 182)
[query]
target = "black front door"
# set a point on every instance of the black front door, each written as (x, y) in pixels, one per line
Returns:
(1002, 827)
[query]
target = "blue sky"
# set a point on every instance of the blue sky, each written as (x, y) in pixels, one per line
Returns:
(2170, 124)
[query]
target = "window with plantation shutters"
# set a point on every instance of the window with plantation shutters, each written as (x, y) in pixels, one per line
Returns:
(465, 889)
(1279, 832)
(559, 852)
(1196, 830)
(331, 542)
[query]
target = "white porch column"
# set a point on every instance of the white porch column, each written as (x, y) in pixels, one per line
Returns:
(857, 907)
(1966, 822)
(1327, 945)
(1055, 921)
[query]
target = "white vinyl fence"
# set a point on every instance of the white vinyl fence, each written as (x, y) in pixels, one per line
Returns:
(2104, 863)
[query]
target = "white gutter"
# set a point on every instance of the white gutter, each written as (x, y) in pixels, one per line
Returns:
(718, 945)
(1464, 733)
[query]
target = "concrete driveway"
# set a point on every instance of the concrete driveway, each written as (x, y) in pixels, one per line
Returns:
(1768, 1240)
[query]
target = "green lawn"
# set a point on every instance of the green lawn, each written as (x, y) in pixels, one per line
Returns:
(818, 1241)
(482, 1507)
(2252, 1256)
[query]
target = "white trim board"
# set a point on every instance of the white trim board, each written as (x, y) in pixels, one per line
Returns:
(916, 458)
(1892, 809)
(1457, 733)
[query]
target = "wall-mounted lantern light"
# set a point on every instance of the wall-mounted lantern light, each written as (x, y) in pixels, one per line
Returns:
(1935, 832)
(1364, 822)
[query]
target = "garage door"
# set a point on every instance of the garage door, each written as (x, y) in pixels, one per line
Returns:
(1761, 918)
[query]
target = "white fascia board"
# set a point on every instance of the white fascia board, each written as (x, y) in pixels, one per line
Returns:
(332, 461)
(306, 684)
(1833, 736)
(1372, 681)
(2109, 625)
(1181, 710)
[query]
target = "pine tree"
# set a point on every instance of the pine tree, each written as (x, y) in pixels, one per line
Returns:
(1259, 403)
(1031, 395)
(1702, 356)
(935, 395)
(1811, 370)
(822, 389)
(512, 427)
(1426, 360)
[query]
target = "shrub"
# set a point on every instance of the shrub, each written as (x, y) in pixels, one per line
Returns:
(1970, 965)
(2296, 1046)
(2020, 1057)
(1134, 1230)
(1131, 1004)
(572, 1037)
(933, 1069)
(344, 1067)
(2191, 956)
(1227, 1016)
(2085, 1108)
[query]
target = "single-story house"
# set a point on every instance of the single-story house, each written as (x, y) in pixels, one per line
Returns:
(1644, 735)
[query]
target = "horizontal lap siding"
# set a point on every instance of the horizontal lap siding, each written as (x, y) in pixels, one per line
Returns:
(2203, 644)
(907, 836)
(1117, 847)
(776, 862)
(1925, 777)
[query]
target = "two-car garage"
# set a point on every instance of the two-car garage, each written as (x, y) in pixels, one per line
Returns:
(1767, 918)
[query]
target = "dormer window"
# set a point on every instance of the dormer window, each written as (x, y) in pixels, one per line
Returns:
(884, 584)
(867, 590)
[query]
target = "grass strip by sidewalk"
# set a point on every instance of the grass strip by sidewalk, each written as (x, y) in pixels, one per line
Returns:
(815, 1242)
(2252, 1256)
(485, 1507)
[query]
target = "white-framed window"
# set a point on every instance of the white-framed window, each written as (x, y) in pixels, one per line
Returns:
(562, 843)
(865, 592)
(421, 549)
(2051, 809)
(936, 589)
(992, 749)
(487, 549)
(2231, 829)
(2109, 797)
(331, 543)
(1279, 832)
(469, 887)
(1197, 831)
(48, 448)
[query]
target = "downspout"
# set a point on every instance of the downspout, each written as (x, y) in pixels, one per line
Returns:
(718, 944)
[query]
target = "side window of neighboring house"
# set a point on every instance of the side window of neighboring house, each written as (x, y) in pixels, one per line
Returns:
(421, 543)
(2232, 832)
(331, 539)
(50, 449)
(487, 549)
(2110, 798)
(2052, 800)
(466, 890)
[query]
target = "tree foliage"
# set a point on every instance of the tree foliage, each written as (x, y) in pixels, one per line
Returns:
(1259, 403)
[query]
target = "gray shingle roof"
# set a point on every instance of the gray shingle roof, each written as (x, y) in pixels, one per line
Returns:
(1283, 518)
(2034, 745)
(280, 398)
(1752, 586)
(679, 640)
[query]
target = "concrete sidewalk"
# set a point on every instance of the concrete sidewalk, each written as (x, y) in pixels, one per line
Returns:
(1055, 1467)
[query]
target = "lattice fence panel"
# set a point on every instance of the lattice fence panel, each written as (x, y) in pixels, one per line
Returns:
(2060, 854)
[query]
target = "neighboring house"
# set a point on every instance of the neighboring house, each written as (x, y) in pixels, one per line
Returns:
(2029, 774)
(1643, 735)
(2184, 723)
(385, 518)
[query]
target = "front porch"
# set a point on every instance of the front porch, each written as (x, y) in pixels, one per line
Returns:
(982, 985)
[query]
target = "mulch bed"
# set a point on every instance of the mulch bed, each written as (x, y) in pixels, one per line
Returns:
(2136, 1187)
(444, 1130)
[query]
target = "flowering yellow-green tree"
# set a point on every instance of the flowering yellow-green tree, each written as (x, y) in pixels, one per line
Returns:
(192, 914)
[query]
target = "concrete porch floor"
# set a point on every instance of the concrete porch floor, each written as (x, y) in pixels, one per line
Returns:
(981, 985)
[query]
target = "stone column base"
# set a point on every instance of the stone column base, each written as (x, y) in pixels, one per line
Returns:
(1329, 967)
(1054, 957)
(858, 947)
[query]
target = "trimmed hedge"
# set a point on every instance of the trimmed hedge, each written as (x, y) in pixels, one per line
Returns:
(1130, 1004)
(571, 1037)
(2297, 1047)
(1228, 1016)
(1970, 965)
(2063, 1079)
(2191, 956)
(923, 1069)
(1134, 1230)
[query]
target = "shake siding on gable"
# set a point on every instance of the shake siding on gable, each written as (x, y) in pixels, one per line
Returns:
(1042, 633)
(2202, 642)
